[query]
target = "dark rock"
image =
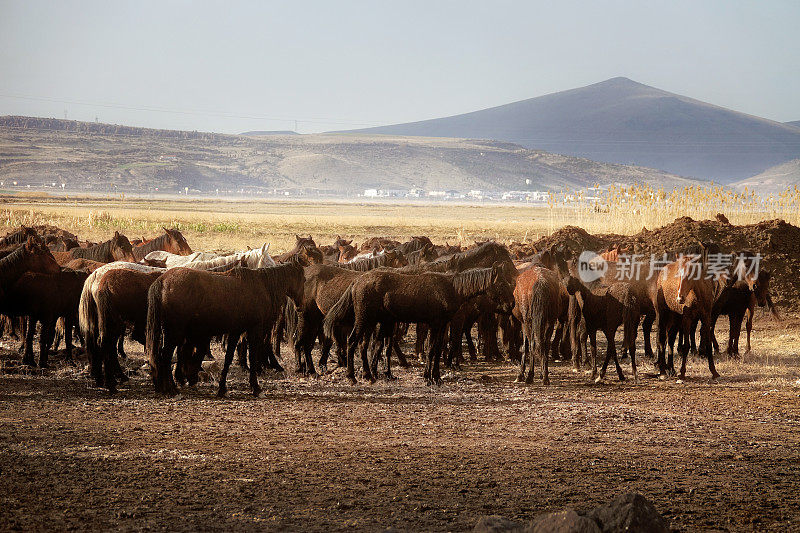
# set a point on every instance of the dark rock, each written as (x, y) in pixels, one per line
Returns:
(632, 513)
(567, 521)
(497, 524)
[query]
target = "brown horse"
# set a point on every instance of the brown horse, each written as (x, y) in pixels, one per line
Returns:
(29, 257)
(673, 286)
(606, 308)
(305, 246)
(20, 236)
(325, 284)
(171, 241)
(45, 298)
(389, 297)
(113, 296)
(189, 307)
(84, 264)
(118, 248)
(541, 301)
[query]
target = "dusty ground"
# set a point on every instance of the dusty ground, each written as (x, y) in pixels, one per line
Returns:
(322, 455)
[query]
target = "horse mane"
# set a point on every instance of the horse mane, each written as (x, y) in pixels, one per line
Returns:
(463, 260)
(275, 278)
(150, 246)
(473, 281)
(100, 252)
(369, 263)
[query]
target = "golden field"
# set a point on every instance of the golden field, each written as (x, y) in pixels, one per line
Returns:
(217, 224)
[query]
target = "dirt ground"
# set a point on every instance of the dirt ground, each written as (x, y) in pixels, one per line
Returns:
(321, 455)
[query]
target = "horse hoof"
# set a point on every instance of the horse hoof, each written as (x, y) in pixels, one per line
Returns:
(662, 377)
(679, 381)
(222, 393)
(313, 375)
(323, 369)
(390, 377)
(598, 379)
(519, 380)
(352, 380)
(546, 381)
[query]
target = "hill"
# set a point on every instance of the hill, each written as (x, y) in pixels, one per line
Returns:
(773, 180)
(622, 121)
(88, 156)
(795, 123)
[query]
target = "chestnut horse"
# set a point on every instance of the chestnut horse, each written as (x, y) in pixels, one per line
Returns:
(305, 246)
(673, 286)
(541, 301)
(191, 306)
(171, 241)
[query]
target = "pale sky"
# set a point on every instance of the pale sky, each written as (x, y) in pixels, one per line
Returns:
(236, 66)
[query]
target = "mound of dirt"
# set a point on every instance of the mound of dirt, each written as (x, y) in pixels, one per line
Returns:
(777, 241)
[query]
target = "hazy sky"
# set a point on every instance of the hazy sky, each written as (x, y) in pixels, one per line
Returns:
(236, 66)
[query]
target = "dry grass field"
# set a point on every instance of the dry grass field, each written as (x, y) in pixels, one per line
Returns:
(215, 224)
(322, 455)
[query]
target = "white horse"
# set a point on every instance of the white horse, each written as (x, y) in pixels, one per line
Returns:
(258, 258)
(173, 260)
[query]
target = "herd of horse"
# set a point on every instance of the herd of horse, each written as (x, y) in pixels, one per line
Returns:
(525, 307)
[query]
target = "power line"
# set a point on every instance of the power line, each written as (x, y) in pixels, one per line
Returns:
(224, 114)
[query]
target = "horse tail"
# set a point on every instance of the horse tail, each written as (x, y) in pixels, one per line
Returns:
(338, 312)
(87, 321)
(154, 331)
(540, 310)
(290, 317)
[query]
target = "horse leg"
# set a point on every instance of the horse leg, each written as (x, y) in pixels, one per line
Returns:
(233, 340)
(341, 346)
(419, 345)
(377, 344)
(325, 349)
(27, 358)
(353, 342)
(258, 343)
(388, 340)
(544, 347)
(437, 340)
(647, 328)
(401, 357)
(521, 378)
(593, 345)
(661, 346)
(749, 328)
(45, 341)
(365, 367)
(705, 323)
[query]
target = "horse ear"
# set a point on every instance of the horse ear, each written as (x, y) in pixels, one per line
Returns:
(264, 247)
(165, 229)
(296, 236)
(30, 243)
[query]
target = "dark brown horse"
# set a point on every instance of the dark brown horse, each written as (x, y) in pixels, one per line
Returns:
(118, 248)
(191, 306)
(28, 257)
(171, 241)
(45, 298)
(389, 297)
(606, 308)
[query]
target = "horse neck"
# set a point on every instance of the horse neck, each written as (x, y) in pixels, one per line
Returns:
(471, 283)
(13, 266)
(159, 243)
(100, 252)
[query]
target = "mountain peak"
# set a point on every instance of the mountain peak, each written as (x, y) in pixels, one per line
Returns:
(620, 120)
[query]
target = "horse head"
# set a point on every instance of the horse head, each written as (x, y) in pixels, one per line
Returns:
(121, 249)
(39, 258)
(178, 242)
(502, 290)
